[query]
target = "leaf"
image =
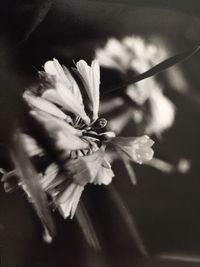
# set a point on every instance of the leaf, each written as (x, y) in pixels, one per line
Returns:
(87, 227)
(40, 12)
(158, 68)
(30, 180)
(129, 169)
(129, 220)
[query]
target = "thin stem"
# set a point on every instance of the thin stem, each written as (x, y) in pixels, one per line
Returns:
(157, 68)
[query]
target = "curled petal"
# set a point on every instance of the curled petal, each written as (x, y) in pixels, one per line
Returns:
(136, 149)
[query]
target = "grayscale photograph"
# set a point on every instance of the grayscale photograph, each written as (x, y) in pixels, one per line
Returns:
(99, 133)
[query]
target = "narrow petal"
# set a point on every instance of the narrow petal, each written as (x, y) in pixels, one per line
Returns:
(74, 86)
(70, 103)
(50, 174)
(43, 104)
(91, 79)
(95, 69)
(67, 201)
(69, 95)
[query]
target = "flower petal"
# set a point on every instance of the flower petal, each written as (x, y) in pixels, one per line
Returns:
(68, 93)
(53, 67)
(49, 176)
(68, 200)
(91, 78)
(66, 137)
(105, 174)
(74, 86)
(31, 146)
(136, 149)
(69, 102)
(43, 104)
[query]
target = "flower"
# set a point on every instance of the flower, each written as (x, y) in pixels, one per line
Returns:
(77, 135)
(136, 149)
(133, 54)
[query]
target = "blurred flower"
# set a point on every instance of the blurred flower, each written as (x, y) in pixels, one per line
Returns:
(133, 55)
(132, 52)
(78, 137)
(162, 112)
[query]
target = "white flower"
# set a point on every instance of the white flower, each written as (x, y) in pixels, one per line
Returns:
(136, 149)
(77, 135)
(59, 109)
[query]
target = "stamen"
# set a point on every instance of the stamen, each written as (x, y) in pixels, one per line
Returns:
(99, 123)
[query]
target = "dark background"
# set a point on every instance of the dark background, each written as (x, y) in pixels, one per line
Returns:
(164, 207)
